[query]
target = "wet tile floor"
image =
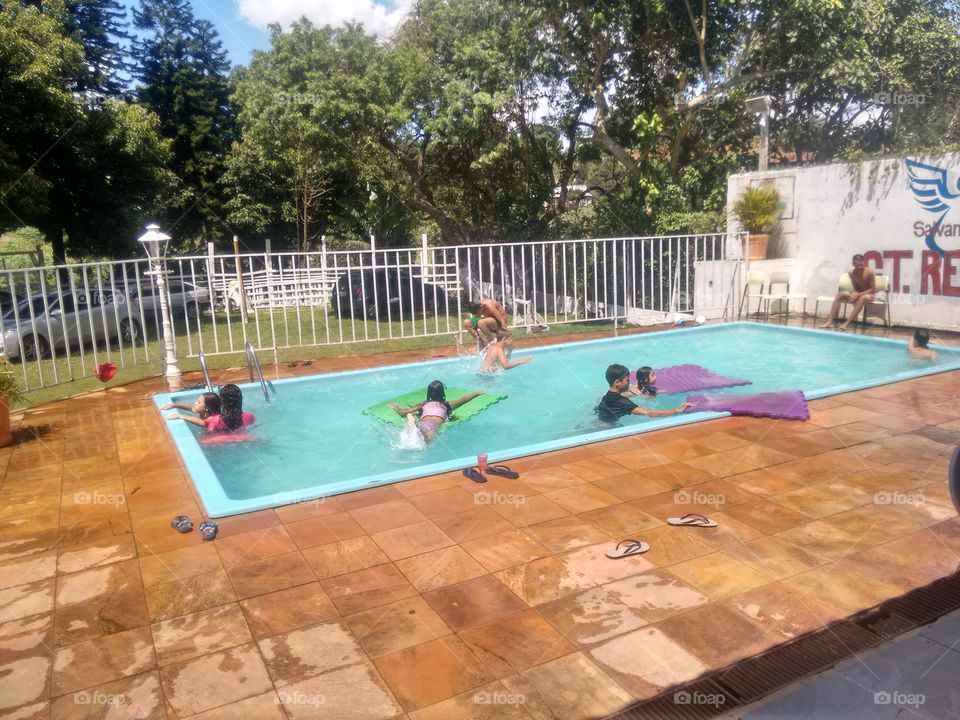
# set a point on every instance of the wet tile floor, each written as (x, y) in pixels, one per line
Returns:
(440, 598)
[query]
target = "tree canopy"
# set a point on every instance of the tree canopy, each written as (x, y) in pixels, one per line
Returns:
(477, 120)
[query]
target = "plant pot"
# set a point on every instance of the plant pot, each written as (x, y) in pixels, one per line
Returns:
(5, 436)
(757, 249)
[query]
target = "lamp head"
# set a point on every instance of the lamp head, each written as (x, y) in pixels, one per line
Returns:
(759, 105)
(154, 242)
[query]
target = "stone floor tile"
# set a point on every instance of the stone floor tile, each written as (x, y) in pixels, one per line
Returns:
(213, 680)
(397, 625)
(179, 564)
(409, 540)
(515, 642)
(431, 672)
(298, 654)
(591, 617)
(489, 702)
(496, 552)
(99, 602)
(473, 602)
(260, 577)
(783, 611)
(719, 575)
(134, 697)
(192, 594)
(472, 524)
(95, 662)
(367, 588)
(255, 545)
(356, 692)
(207, 631)
(566, 533)
(289, 609)
(343, 557)
(656, 594)
(445, 566)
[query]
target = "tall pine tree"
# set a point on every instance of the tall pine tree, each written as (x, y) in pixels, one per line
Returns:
(100, 26)
(182, 70)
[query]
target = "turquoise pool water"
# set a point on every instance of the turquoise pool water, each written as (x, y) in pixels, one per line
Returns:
(314, 440)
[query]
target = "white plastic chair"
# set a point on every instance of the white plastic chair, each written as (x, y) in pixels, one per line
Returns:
(782, 277)
(754, 278)
(845, 284)
(882, 284)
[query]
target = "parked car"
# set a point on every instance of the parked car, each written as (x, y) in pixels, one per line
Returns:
(387, 291)
(183, 298)
(55, 320)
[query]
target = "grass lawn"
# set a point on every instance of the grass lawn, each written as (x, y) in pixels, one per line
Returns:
(275, 335)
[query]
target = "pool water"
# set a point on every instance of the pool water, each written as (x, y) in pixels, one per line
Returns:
(314, 440)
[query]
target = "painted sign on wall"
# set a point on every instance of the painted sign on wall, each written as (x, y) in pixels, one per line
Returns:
(903, 214)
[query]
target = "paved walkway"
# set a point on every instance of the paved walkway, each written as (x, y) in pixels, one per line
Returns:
(914, 676)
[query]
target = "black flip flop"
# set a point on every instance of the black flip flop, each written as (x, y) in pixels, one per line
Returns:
(474, 474)
(502, 471)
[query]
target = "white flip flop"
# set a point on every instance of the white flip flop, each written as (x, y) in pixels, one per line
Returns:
(626, 548)
(692, 520)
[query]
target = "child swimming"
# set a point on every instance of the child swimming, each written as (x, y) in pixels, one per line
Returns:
(499, 353)
(206, 405)
(434, 411)
(646, 383)
(917, 346)
(224, 414)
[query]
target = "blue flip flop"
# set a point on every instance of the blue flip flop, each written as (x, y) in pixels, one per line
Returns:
(502, 471)
(474, 474)
(208, 529)
(182, 524)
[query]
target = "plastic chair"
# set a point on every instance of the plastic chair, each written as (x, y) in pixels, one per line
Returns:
(782, 277)
(754, 277)
(882, 284)
(845, 284)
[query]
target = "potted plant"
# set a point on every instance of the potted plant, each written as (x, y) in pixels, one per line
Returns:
(9, 391)
(758, 211)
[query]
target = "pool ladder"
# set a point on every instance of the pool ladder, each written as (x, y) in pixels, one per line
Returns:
(206, 373)
(254, 363)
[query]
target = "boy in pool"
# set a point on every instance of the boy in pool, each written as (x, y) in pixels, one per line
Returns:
(917, 347)
(487, 322)
(614, 405)
(499, 352)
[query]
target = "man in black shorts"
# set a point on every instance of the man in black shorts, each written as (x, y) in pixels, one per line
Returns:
(613, 405)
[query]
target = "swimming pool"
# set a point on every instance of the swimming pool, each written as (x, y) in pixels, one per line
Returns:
(314, 440)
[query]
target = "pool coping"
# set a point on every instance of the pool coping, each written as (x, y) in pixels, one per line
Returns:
(219, 504)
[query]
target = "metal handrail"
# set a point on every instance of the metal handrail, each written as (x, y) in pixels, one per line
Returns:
(206, 374)
(253, 362)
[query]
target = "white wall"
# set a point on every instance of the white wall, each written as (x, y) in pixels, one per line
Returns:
(833, 211)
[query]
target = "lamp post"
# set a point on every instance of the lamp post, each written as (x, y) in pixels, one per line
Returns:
(155, 244)
(761, 106)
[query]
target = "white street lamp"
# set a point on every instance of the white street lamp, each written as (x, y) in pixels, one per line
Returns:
(155, 244)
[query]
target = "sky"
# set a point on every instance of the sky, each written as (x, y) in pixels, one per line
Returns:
(242, 24)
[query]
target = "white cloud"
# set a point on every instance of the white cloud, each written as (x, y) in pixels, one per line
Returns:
(377, 18)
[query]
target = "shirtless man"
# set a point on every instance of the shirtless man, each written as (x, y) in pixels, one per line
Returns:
(499, 352)
(488, 321)
(864, 290)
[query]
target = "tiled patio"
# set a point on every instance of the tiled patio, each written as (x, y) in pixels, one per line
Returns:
(440, 598)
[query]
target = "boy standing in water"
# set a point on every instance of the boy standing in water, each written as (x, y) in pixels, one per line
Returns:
(613, 405)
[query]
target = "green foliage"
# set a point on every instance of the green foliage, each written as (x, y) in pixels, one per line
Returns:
(182, 72)
(758, 208)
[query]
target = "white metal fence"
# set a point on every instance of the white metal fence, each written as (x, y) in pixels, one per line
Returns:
(60, 322)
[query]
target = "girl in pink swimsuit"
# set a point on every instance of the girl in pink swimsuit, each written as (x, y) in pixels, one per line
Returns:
(218, 414)
(434, 411)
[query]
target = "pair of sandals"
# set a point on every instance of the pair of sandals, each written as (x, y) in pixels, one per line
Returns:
(182, 524)
(630, 546)
(502, 470)
(303, 363)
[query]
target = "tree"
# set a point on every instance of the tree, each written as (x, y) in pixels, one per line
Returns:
(99, 25)
(86, 176)
(182, 70)
(297, 105)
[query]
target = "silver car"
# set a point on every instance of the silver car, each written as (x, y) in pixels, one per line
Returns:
(34, 326)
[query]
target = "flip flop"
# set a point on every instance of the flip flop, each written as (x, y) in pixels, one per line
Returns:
(502, 471)
(626, 548)
(474, 474)
(182, 524)
(693, 520)
(306, 363)
(292, 364)
(208, 529)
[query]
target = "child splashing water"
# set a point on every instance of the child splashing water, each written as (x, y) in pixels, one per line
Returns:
(434, 411)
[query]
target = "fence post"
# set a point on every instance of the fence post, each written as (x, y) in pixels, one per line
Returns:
(243, 294)
(424, 262)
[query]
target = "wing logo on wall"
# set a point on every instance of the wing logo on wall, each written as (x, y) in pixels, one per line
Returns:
(931, 190)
